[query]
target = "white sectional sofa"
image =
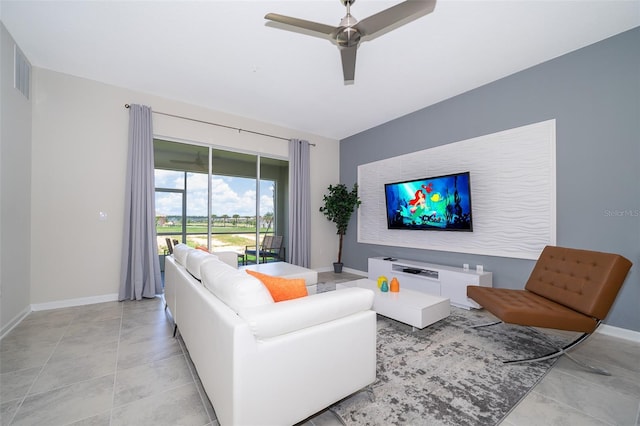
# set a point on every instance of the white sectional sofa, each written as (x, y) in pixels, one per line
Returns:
(262, 362)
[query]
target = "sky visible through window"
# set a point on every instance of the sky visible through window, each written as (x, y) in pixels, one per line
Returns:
(230, 195)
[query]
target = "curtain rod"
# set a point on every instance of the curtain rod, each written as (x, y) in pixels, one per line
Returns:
(219, 125)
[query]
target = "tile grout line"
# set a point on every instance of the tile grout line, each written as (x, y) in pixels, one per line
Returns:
(41, 370)
(195, 379)
(604, 388)
(180, 354)
(572, 408)
(529, 392)
(115, 372)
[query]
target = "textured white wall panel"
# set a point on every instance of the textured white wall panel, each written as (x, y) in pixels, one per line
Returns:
(513, 195)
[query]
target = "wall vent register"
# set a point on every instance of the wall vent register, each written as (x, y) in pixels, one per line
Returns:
(22, 72)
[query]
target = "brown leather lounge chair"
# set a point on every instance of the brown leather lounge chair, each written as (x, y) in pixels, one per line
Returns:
(568, 289)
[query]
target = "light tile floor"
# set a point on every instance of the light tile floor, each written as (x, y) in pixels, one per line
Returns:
(104, 364)
(118, 364)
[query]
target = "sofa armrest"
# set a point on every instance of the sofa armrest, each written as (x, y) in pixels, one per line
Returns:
(285, 317)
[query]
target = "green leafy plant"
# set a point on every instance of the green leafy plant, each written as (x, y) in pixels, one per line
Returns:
(339, 204)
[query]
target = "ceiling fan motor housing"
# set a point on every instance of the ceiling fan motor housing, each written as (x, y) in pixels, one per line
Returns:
(348, 37)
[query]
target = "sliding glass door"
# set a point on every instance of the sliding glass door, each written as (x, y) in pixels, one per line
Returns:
(233, 201)
(219, 199)
(272, 208)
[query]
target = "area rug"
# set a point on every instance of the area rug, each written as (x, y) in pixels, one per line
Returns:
(449, 373)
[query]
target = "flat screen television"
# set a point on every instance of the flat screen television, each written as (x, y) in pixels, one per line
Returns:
(440, 203)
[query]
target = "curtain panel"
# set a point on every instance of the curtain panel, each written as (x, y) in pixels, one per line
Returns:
(299, 240)
(140, 271)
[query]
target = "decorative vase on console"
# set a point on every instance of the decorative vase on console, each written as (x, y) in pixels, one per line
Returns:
(394, 287)
(381, 279)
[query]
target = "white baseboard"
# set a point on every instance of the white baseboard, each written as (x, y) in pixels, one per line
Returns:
(56, 305)
(74, 302)
(14, 322)
(621, 333)
(355, 271)
(349, 270)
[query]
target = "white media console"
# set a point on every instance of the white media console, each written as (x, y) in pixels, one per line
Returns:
(439, 280)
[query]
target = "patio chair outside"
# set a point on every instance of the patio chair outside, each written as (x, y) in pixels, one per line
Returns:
(271, 248)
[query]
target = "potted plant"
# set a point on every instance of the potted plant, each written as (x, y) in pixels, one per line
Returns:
(339, 204)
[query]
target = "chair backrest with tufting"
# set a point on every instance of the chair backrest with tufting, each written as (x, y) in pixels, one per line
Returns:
(583, 280)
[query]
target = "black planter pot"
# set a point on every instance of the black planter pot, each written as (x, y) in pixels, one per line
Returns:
(337, 267)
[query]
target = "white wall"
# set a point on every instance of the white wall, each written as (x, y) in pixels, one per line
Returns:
(15, 182)
(79, 157)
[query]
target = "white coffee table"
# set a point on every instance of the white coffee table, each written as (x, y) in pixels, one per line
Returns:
(408, 306)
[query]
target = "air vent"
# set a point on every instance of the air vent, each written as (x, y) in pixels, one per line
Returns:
(22, 72)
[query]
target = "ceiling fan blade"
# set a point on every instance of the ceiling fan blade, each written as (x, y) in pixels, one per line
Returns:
(393, 15)
(301, 23)
(348, 55)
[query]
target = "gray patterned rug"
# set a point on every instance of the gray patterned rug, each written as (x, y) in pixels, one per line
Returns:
(448, 373)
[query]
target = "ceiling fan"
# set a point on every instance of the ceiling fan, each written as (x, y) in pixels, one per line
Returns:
(351, 32)
(198, 161)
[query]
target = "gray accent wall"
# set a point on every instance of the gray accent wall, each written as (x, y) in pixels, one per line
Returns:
(594, 95)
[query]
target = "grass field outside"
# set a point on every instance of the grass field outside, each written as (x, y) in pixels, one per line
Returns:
(202, 229)
(227, 238)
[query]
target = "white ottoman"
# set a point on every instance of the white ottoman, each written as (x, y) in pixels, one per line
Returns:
(285, 270)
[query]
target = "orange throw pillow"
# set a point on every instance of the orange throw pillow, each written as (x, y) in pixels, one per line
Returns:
(282, 288)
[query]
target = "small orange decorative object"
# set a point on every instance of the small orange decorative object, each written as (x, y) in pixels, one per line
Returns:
(395, 285)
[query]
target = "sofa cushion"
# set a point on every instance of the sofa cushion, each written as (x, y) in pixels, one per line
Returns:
(282, 288)
(277, 319)
(235, 288)
(196, 258)
(228, 257)
(180, 252)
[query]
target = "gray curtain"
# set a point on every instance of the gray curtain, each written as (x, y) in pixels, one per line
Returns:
(299, 243)
(140, 271)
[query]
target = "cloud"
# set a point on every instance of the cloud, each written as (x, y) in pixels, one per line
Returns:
(168, 204)
(229, 195)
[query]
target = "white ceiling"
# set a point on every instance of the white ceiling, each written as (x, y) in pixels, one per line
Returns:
(222, 54)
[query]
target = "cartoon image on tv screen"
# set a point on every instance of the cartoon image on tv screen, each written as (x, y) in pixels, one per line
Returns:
(438, 203)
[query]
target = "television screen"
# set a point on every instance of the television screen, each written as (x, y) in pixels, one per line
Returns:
(435, 203)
